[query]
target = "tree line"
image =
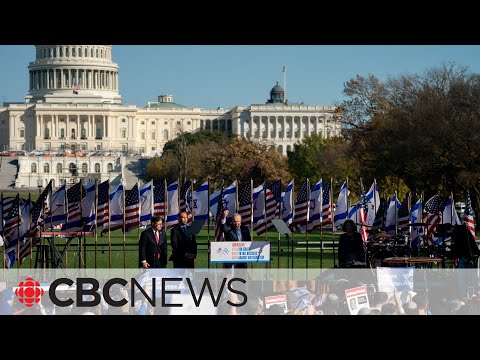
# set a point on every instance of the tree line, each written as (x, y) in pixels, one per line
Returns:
(412, 132)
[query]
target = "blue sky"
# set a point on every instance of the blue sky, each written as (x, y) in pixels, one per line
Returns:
(226, 76)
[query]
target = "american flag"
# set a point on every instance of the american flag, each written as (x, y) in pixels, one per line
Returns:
(363, 211)
(403, 216)
(159, 206)
(184, 205)
(75, 195)
(276, 188)
(218, 221)
(132, 209)
(245, 204)
(469, 215)
(9, 201)
(12, 219)
(102, 204)
(39, 209)
(326, 206)
(432, 213)
(301, 206)
(270, 207)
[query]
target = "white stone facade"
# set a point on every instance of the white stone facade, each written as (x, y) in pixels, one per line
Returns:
(37, 171)
(73, 103)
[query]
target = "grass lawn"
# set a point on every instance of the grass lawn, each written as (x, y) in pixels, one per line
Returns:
(316, 258)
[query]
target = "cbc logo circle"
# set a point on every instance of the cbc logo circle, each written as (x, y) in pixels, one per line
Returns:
(29, 292)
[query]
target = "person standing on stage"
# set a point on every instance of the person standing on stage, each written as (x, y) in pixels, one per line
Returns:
(184, 246)
(153, 245)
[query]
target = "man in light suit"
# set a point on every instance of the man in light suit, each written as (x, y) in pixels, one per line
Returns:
(153, 245)
(235, 232)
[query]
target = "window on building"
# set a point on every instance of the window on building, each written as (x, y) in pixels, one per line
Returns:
(59, 168)
(153, 148)
(97, 53)
(153, 122)
(47, 133)
(109, 167)
(91, 52)
(179, 123)
(123, 133)
(165, 135)
(97, 165)
(73, 51)
(142, 122)
(165, 123)
(98, 133)
(80, 52)
(84, 133)
(22, 133)
(142, 136)
(86, 52)
(189, 123)
(55, 52)
(61, 52)
(154, 135)
(46, 168)
(33, 168)
(67, 51)
(62, 133)
(124, 147)
(84, 146)
(123, 120)
(99, 146)
(73, 133)
(84, 168)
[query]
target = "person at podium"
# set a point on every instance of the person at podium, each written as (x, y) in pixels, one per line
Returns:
(235, 232)
(350, 246)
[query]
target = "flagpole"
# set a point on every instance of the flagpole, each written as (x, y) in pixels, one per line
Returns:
(109, 238)
(396, 213)
(279, 216)
(165, 205)
(374, 198)
(293, 217)
(3, 235)
(30, 226)
(332, 211)
(18, 231)
(208, 222)
(251, 208)
(96, 219)
(191, 200)
(306, 222)
(285, 82)
(124, 237)
(321, 226)
(65, 211)
(139, 210)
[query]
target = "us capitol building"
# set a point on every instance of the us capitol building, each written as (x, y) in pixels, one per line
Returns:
(74, 104)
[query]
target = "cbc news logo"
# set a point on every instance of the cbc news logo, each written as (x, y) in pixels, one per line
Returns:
(29, 292)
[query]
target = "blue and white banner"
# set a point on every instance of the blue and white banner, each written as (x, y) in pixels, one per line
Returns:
(240, 251)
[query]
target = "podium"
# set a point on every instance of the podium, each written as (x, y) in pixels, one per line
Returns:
(232, 252)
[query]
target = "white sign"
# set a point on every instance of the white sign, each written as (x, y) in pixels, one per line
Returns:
(240, 251)
(356, 299)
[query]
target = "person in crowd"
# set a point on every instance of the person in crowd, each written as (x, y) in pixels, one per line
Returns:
(6, 301)
(184, 246)
(153, 245)
(235, 232)
(350, 245)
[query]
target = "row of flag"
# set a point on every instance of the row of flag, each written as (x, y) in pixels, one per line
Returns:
(103, 207)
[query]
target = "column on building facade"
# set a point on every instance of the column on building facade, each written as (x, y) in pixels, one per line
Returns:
(103, 125)
(315, 124)
(11, 128)
(48, 79)
(116, 80)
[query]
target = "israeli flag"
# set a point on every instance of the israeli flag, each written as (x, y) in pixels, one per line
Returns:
(173, 206)
(200, 202)
(146, 203)
(341, 207)
(286, 208)
(390, 222)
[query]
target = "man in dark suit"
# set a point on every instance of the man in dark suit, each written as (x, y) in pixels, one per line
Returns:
(153, 246)
(235, 232)
(184, 246)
